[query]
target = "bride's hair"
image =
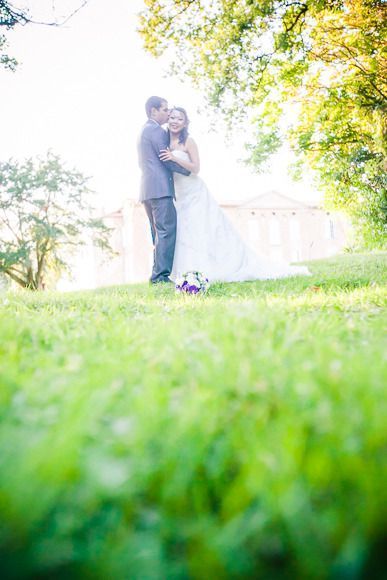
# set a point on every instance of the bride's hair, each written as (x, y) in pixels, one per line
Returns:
(184, 132)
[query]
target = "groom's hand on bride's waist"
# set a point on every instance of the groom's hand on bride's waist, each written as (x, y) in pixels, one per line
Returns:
(166, 155)
(171, 162)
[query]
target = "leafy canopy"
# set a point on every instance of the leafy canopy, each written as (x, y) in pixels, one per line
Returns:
(9, 17)
(44, 213)
(317, 68)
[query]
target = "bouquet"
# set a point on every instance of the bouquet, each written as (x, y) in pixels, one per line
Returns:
(192, 283)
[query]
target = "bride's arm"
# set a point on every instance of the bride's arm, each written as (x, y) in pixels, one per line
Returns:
(193, 164)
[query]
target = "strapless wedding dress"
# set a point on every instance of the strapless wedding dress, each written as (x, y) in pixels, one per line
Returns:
(206, 240)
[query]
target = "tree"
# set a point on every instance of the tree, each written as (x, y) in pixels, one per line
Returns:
(316, 67)
(44, 213)
(11, 16)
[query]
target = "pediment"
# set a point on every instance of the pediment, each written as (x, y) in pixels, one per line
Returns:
(272, 200)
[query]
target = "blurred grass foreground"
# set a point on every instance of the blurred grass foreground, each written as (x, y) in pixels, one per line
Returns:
(239, 434)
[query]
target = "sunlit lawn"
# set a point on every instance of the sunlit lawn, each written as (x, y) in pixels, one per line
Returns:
(240, 434)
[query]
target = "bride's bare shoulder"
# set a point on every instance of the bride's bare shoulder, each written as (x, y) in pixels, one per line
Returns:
(191, 145)
(190, 141)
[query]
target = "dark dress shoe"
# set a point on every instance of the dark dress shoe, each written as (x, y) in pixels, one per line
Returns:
(162, 281)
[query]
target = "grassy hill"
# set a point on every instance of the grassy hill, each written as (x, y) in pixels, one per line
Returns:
(240, 434)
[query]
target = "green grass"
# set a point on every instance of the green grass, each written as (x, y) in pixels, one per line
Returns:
(240, 434)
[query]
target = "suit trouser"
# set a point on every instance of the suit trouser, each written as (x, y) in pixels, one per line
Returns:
(162, 218)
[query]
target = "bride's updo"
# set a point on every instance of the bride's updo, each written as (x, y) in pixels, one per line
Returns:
(183, 135)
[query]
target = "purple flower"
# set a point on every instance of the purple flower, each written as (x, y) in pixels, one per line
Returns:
(192, 283)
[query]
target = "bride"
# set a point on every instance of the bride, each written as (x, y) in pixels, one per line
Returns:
(206, 241)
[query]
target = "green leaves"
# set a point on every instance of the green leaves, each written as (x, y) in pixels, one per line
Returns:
(5, 60)
(268, 143)
(9, 17)
(323, 60)
(44, 208)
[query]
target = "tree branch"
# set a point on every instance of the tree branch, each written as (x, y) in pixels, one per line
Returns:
(310, 146)
(303, 11)
(7, 223)
(14, 17)
(40, 255)
(169, 21)
(9, 17)
(15, 278)
(14, 269)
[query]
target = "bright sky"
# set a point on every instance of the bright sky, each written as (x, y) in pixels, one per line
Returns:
(80, 90)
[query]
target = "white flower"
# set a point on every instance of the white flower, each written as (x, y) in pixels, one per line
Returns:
(192, 279)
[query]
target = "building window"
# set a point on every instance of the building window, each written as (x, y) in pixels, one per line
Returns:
(329, 229)
(253, 231)
(295, 239)
(274, 232)
(294, 230)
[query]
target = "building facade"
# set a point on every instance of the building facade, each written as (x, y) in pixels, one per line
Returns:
(272, 224)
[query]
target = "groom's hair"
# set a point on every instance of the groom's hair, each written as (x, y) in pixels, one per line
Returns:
(153, 102)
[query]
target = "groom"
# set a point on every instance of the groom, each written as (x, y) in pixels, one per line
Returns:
(157, 188)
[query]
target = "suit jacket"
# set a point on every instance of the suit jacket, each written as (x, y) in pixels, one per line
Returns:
(157, 178)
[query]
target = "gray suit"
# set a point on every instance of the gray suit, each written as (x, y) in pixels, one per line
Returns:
(157, 194)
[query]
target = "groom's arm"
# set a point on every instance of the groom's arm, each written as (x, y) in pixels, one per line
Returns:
(175, 167)
(159, 142)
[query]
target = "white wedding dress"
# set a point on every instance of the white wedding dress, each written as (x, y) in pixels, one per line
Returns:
(207, 242)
